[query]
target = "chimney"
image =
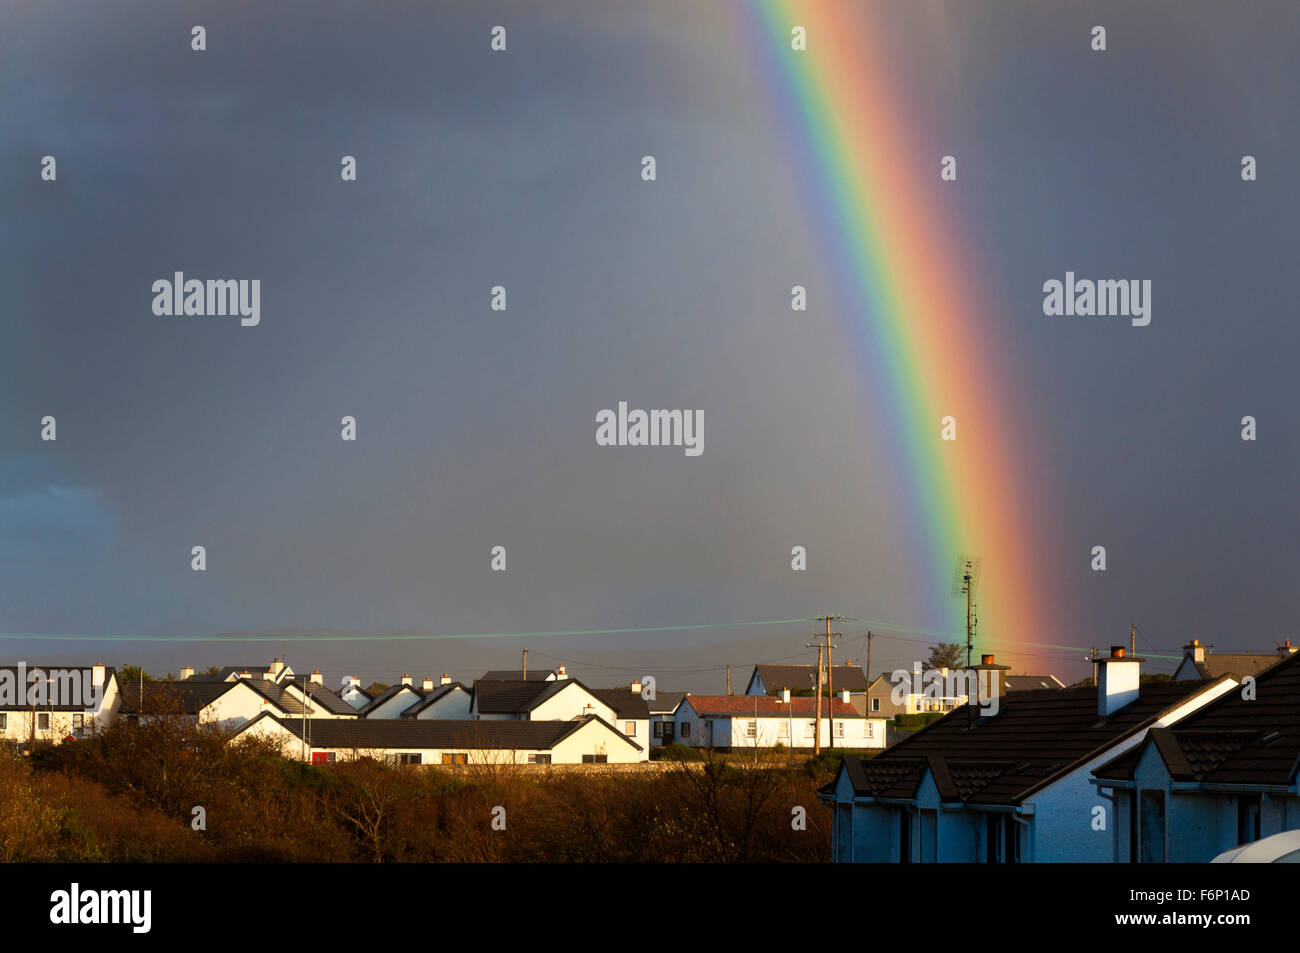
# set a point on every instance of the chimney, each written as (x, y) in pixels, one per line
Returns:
(277, 667)
(1286, 648)
(316, 677)
(244, 674)
(98, 671)
(269, 674)
(1195, 650)
(785, 695)
(636, 688)
(446, 679)
(994, 680)
(406, 678)
(1117, 680)
(844, 696)
(559, 673)
(187, 672)
(427, 685)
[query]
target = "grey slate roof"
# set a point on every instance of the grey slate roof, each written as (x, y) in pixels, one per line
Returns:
(623, 701)
(776, 677)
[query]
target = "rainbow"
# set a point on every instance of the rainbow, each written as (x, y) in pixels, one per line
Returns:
(914, 314)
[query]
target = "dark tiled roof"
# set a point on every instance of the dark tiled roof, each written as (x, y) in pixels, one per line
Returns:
(665, 703)
(230, 673)
(1253, 742)
(1235, 663)
(1036, 737)
(623, 701)
(400, 733)
(515, 675)
(507, 697)
(724, 706)
(183, 697)
(777, 677)
(1022, 683)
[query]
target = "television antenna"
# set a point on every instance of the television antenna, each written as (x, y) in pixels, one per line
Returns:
(965, 579)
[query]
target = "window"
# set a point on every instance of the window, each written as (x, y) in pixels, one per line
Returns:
(43, 721)
(809, 729)
(629, 729)
(456, 757)
(904, 836)
(408, 758)
(79, 724)
(1152, 823)
(751, 729)
(839, 729)
(686, 729)
(595, 759)
(4, 721)
(1002, 839)
(323, 757)
(1247, 818)
(539, 759)
(875, 704)
(659, 729)
(783, 730)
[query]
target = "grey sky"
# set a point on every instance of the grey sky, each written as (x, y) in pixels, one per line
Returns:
(476, 428)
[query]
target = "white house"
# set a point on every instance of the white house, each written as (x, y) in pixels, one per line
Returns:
(1224, 777)
(1013, 786)
(663, 709)
(52, 703)
(589, 740)
(234, 702)
(450, 701)
(563, 699)
(760, 721)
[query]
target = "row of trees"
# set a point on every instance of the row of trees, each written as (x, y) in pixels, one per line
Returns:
(174, 790)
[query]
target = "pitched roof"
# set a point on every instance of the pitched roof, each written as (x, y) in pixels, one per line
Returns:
(506, 696)
(515, 675)
(725, 706)
(1023, 683)
(182, 696)
(1235, 663)
(625, 703)
(665, 703)
(1234, 740)
(777, 677)
(405, 733)
(327, 698)
(1035, 738)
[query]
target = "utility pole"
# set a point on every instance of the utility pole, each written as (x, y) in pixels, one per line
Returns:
(817, 719)
(830, 687)
(728, 679)
(1094, 666)
(1132, 639)
(868, 658)
(525, 665)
